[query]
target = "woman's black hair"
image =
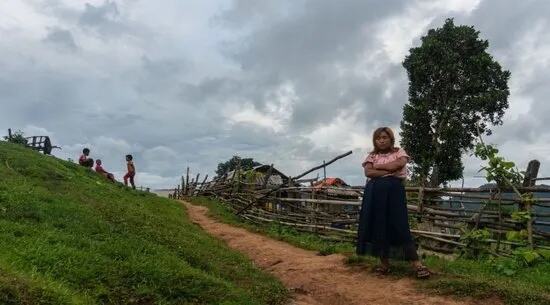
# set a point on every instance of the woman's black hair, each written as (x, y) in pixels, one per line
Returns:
(129, 157)
(86, 150)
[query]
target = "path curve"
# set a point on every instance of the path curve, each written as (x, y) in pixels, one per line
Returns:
(314, 279)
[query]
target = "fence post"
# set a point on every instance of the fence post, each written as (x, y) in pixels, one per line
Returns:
(195, 185)
(9, 134)
(186, 182)
(499, 235)
(420, 200)
(202, 186)
(182, 185)
(530, 175)
(529, 208)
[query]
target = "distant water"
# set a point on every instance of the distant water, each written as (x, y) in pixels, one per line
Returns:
(163, 192)
(537, 209)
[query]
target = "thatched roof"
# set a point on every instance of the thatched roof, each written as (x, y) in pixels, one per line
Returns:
(276, 177)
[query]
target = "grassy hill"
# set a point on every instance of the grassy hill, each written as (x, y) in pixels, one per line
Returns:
(68, 236)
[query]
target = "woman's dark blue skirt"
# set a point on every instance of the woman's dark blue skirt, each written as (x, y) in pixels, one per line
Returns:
(383, 221)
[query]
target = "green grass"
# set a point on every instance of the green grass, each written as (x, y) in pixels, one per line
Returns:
(481, 278)
(68, 236)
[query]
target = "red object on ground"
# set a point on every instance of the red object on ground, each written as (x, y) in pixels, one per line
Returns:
(330, 182)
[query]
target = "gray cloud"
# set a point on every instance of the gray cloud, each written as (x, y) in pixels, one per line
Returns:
(287, 82)
(62, 38)
(109, 23)
(307, 46)
(102, 16)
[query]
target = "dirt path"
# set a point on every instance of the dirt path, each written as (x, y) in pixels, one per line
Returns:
(314, 279)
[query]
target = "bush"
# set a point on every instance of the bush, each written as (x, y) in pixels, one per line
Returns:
(17, 137)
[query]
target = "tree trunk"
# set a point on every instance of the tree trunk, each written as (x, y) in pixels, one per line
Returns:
(434, 177)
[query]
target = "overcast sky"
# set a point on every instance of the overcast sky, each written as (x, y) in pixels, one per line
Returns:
(191, 83)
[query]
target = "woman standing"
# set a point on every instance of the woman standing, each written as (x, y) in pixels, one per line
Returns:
(383, 223)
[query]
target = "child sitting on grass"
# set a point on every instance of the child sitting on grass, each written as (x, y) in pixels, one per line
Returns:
(84, 160)
(99, 169)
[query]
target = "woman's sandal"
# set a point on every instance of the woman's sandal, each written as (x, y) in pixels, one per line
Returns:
(422, 272)
(382, 270)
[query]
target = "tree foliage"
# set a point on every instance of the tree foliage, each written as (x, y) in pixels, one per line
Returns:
(17, 137)
(454, 86)
(231, 164)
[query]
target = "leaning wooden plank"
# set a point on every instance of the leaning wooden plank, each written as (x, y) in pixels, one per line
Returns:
(335, 202)
(323, 165)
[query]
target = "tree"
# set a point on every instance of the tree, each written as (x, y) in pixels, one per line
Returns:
(455, 87)
(17, 137)
(231, 164)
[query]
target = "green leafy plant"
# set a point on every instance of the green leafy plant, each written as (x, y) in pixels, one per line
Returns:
(475, 245)
(499, 170)
(17, 137)
(516, 235)
(506, 175)
(545, 253)
(507, 268)
(521, 216)
(528, 257)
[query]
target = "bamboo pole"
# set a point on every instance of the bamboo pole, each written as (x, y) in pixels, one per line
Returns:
(203, 185)
(321, 201)
(420, 200)
(528, 208)
(323, 165)
(186, 182)
(183, 185)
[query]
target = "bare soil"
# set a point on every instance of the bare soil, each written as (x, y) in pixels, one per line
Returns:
(314, 279)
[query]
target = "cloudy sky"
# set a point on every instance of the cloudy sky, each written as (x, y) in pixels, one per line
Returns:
(191, 83)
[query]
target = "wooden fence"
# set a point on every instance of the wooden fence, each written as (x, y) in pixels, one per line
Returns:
(443, 220)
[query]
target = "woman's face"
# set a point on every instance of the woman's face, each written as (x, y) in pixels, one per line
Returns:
(383, 141)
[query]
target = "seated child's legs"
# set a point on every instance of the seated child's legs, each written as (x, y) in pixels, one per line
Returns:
(88, 163)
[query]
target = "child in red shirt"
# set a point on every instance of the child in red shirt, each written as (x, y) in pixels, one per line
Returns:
(99, 169)
(84, 160)
(131, 171)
